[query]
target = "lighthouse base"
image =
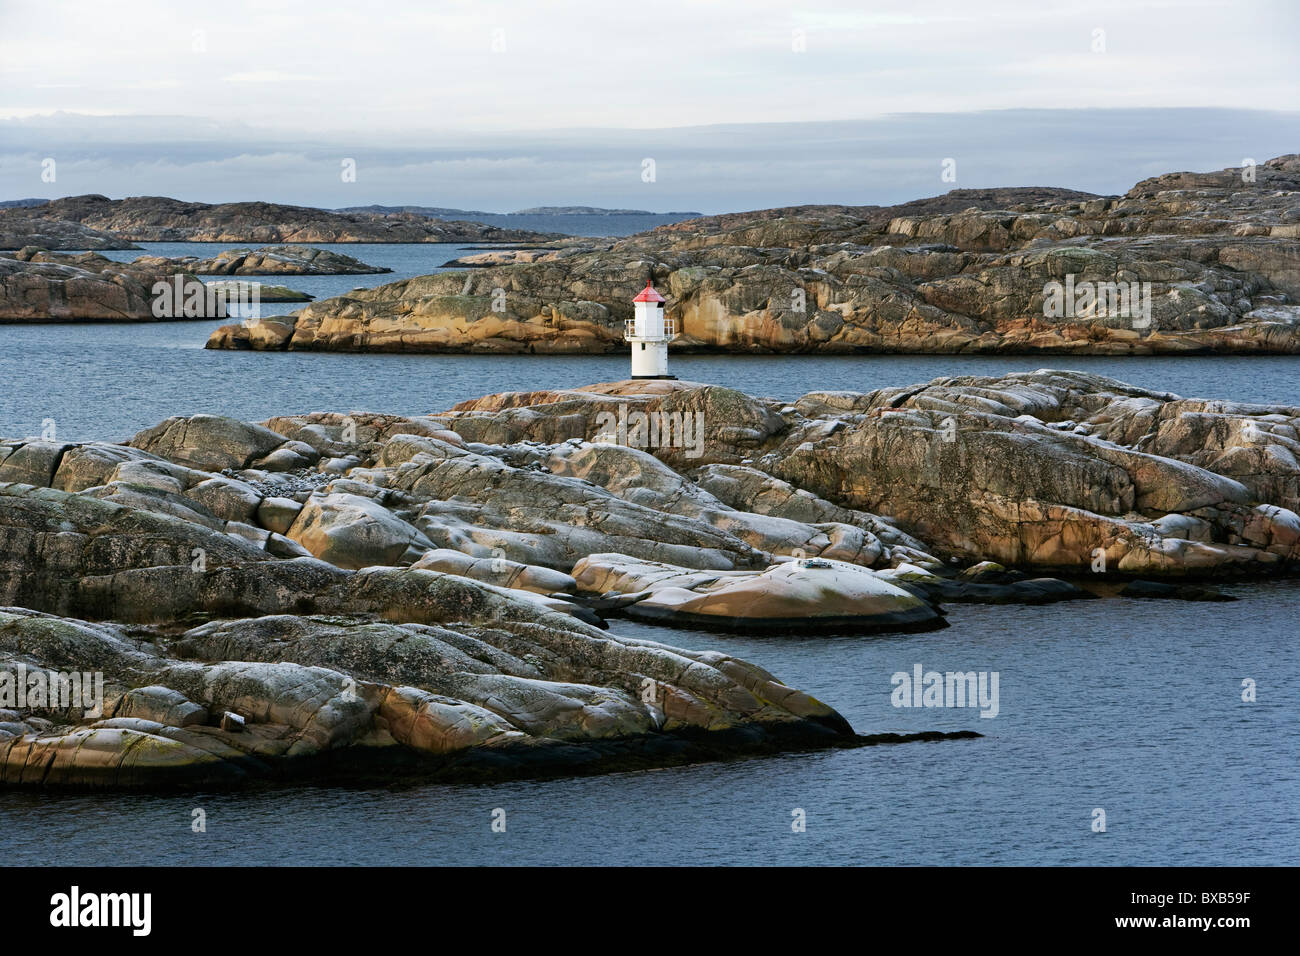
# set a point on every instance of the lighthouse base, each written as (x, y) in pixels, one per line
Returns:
(673, 377)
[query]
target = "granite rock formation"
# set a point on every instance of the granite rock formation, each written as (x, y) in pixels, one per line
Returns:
(1047, 470)
(1181, 263)
(267, 261)
(18, 231)
(41, 286)
(160, 219)
(357, 596)
(38, 285)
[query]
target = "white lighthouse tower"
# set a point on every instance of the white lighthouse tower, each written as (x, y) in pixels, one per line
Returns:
(649, 332)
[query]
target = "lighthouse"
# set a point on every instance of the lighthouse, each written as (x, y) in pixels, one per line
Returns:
(649, 333)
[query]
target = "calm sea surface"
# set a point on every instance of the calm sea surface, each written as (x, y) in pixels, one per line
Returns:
(108, 381)
(1128, 706)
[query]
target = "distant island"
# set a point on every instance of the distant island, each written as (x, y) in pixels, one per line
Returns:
(1183, 262)
(431, 212)
(441, 212)
(596, 211)
(37, 285)
(97, 222)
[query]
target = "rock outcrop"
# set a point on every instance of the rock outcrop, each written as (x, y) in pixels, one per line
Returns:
(1181, 263)
(1038, 471)
(37, 285)
(18, 231)
(266, 261)
(348, 596)
(284, 695)
(159, 219)
(801, 595)
(41, 286)
(326, 671)
(1057, 470)
(244, 290)
(267, 601)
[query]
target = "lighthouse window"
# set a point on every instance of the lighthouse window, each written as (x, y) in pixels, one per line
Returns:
(642, 346)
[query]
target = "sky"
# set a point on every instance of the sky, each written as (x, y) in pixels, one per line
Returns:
(499, 105)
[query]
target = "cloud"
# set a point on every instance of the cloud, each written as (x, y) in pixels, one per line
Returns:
(517, 64)
(268, 76)
(712, 168)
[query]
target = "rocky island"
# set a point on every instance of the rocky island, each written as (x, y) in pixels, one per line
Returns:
(1181, 263)
(268, 260)
(160, 219)
(348, 596)
(41, 286)
(443, 212)
(596, 211)
(18, 231)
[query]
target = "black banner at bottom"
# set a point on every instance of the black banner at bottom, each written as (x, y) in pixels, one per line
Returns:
(333, 905)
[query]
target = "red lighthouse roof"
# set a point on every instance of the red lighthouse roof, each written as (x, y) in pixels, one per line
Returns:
(648, 294)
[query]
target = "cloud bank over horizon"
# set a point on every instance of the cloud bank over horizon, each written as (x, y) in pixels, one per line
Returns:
(710, 169)
(497, 105)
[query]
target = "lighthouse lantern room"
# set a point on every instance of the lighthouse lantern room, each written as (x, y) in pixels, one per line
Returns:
(649, 334)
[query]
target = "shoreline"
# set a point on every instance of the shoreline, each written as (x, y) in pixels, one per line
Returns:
(532, 350)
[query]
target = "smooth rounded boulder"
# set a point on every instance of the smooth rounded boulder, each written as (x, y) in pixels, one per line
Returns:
(806, 594)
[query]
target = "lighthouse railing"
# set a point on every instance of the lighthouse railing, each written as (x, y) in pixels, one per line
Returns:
(630, 330)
